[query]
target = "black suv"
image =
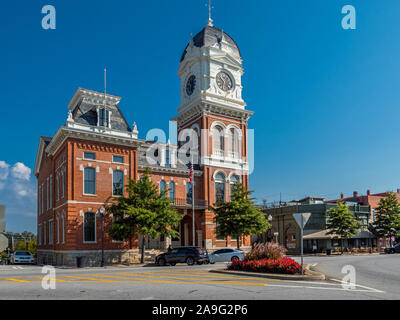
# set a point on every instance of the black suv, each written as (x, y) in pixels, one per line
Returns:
(189, 255)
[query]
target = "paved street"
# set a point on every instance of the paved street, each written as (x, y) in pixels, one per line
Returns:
(377, 278)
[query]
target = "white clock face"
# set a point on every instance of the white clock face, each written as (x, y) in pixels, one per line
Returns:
(224, 81)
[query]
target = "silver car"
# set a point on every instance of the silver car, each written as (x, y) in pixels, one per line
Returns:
(22, 257)
(226, 255)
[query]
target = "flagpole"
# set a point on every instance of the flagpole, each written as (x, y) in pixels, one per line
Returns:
(193, 218)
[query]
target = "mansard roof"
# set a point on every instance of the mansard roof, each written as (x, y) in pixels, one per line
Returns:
(84, 107)
(210, 36)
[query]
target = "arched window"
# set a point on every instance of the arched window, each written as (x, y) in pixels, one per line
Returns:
(189, 195)
(218, 141)
(233, 139)
(220, 187)
(89, 180)
(233, 180)
(163, 187)
(89, 227)
(172, 190)
(118, 183)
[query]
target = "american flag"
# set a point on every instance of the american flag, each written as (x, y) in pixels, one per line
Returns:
(191, 174)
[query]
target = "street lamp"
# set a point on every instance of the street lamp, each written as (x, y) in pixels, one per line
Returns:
(102, 210)
(269, 218)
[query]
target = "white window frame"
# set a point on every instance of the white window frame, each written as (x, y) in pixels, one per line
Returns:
(44, 233)
(58, 186)
(51, 231)
(42, 200)
(51, 191)
(40, 234)
(39, 197)
(63, 184)
(63, 228)
(58, 229)
(47, 193)
(95, 183)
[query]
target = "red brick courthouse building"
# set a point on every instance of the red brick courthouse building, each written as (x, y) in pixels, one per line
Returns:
(87, 162)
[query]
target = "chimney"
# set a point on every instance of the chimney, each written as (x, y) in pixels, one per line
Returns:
(342, 196)
(355, 194)
(369, 192)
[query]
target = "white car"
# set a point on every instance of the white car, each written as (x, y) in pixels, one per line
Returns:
(22, 257)
(226, 255)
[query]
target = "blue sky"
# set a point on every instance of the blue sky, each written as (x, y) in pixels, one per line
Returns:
(326, 100)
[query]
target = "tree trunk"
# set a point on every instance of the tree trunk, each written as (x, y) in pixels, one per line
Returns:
(142, 250)
(341, 241)
(237, 242)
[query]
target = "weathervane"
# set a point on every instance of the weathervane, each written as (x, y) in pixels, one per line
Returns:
(210, 7)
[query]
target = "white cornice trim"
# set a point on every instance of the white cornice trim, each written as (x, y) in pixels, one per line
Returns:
(92, 97)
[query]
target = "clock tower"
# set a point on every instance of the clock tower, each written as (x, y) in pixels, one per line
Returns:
(211, 104)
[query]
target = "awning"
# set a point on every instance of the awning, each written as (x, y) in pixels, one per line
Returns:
(321, 235)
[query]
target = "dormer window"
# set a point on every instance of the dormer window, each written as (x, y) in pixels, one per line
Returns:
(103, 117)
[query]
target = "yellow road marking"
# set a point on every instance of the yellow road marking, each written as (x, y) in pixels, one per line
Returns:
(216, 276)
(18, 280)
(85, 278)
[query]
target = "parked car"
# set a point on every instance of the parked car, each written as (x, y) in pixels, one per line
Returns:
(22, 257)
(226, 255)
(395, 249)
(189, 255)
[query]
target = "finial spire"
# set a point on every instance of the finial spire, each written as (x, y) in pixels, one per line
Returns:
(105, 85)
(210, 21)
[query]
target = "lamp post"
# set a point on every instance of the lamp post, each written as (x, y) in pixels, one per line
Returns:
(102, 211)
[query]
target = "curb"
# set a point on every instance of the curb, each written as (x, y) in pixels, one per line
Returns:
(312, 276)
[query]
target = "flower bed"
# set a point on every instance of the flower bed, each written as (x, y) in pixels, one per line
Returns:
(282, 266)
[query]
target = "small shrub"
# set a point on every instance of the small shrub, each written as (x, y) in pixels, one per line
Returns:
(282, 266)
(267, 250)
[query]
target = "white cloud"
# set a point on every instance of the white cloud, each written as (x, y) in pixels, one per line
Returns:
(24, 189)
(4, 170)
(21, 171)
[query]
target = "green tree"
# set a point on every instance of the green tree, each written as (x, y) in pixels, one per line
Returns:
(387, 222)
(28, 245)
(342, 222)
(145, 212)
(240, 216)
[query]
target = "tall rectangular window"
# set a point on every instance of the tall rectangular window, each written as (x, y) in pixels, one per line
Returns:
(63, 229)
(40, 234)
(42, 200)
(63, 184)
(167, 158)
(118, 183)
(51, 232)
(47, 194)
(90, 181)
(39, 195)
(58, 187)
(189, 195)
(44, 233)
(58, 230)
(89, 227)
(51, 191)
(104, 117)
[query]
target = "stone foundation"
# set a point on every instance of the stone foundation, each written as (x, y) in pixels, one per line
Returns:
(93, 258)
